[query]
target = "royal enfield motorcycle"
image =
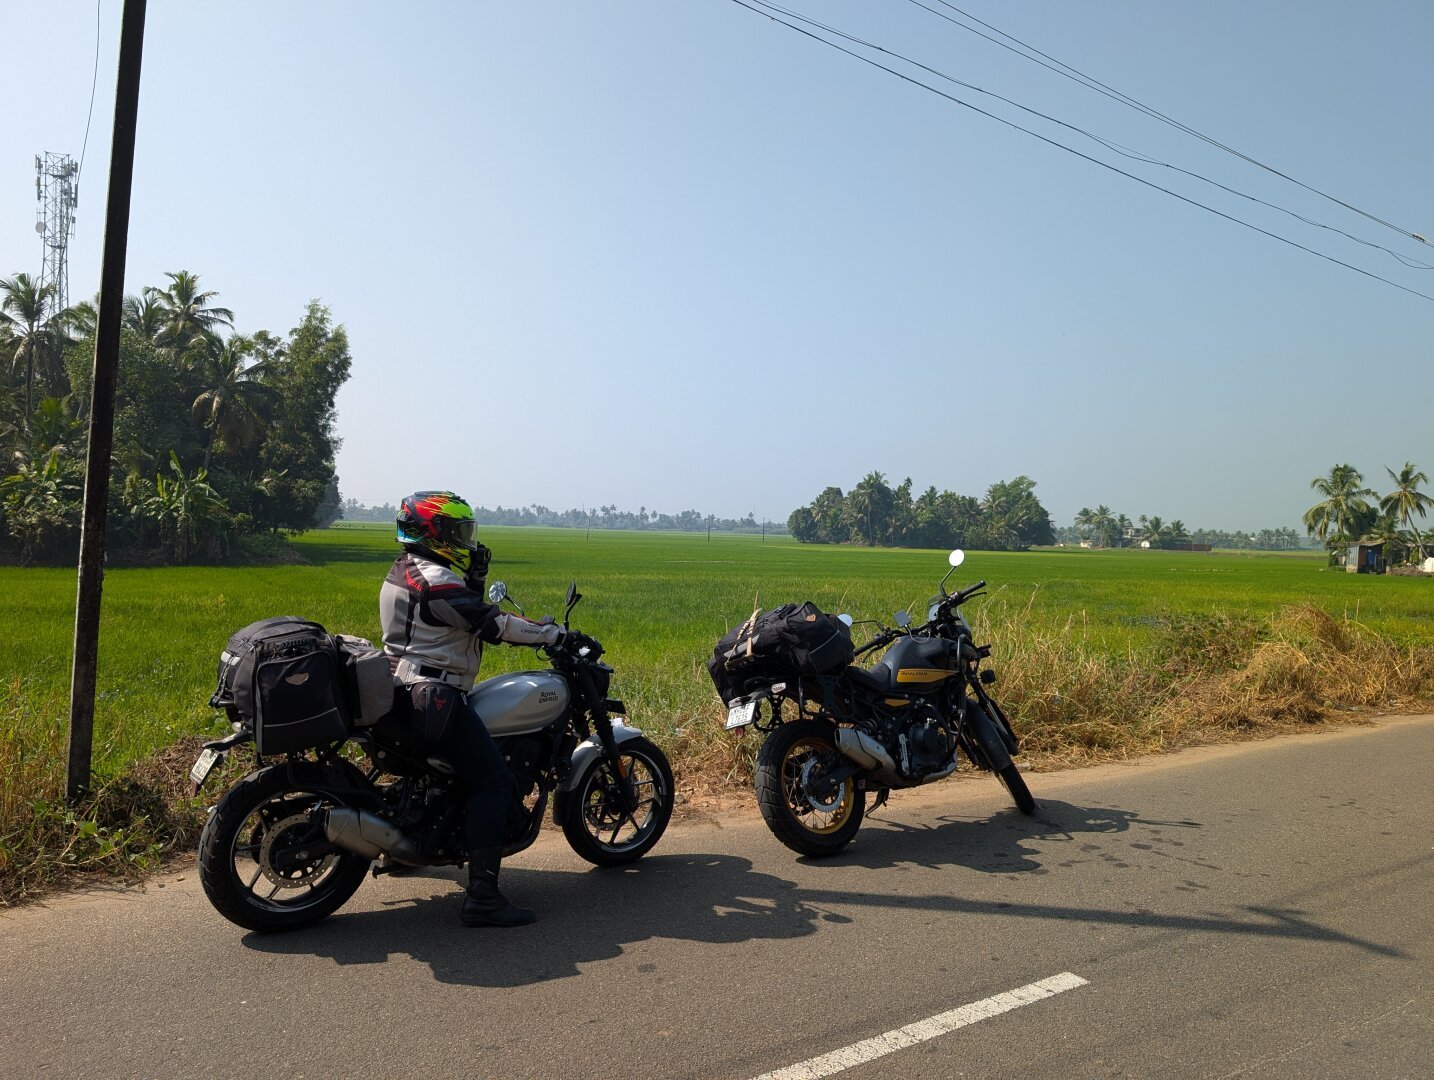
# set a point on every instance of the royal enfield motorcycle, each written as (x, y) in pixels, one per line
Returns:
(905, 721)
(293, 840)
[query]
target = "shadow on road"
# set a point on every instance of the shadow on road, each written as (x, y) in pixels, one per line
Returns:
(589, 916)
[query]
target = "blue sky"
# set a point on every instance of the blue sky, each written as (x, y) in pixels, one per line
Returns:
(671, 254)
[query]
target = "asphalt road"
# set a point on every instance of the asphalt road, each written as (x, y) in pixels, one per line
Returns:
(1265, 910)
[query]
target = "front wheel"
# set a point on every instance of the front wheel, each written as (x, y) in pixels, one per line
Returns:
(264, 860)
(1016, 785)
(596, 821)
(802, 807)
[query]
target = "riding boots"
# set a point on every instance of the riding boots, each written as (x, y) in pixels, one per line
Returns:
(483, 904)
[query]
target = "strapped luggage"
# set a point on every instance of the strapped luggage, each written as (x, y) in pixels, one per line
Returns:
(794, 639)
(283, 677)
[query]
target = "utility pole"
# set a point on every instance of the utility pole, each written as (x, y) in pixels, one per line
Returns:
(102, 402)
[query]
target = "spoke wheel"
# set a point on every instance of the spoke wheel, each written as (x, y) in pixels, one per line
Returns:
(264, 860)
(804, 810)
(1016, 784)
(597, 823)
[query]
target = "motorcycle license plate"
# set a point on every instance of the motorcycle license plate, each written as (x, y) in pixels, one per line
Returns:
(203, 766)
(741, 715)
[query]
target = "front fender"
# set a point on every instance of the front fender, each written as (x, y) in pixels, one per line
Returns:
(589, 749)
(987, 735)
(585, 757)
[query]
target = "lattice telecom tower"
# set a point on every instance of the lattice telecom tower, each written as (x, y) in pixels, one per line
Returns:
(57, 190)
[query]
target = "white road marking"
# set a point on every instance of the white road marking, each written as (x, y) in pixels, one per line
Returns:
(919, 1032)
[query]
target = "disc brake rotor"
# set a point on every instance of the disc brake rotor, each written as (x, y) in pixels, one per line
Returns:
(812, 773)
(305, 869)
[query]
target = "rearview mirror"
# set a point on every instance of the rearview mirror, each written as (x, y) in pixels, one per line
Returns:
(497, 592)
(902, 619)
(846, 620)
(957, 557)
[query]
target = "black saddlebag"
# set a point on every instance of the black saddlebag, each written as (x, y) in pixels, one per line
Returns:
(285, 678)
(792, 640)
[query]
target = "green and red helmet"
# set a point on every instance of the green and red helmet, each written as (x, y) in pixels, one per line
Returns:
(441, 524)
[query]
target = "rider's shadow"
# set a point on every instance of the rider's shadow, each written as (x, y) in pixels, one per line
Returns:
(1007, 842)
(587, 916)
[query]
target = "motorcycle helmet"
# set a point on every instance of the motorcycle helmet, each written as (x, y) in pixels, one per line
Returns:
(439, 524)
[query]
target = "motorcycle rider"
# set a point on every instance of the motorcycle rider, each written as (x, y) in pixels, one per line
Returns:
(435, 620)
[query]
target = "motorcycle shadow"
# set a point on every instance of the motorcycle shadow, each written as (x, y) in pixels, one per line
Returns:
(1007, 842)
(584, 916)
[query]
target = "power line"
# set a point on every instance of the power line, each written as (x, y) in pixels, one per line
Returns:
(1066, 71)
(1071, 150)
(1118, 148)
(94, 81)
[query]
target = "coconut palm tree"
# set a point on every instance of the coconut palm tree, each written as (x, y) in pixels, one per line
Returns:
(22, 312)
(1155, 529)
(144, 314)
(1176, 532)
(187, 314)
(1336, 520)
(233, 403)
(1406, 499)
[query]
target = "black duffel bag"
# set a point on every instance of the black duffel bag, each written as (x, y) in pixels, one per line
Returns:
(792, 640)
(284, 678)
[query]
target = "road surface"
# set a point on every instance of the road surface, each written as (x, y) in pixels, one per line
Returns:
(1262, 910)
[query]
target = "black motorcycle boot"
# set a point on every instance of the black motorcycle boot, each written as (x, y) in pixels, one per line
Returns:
(483, 904)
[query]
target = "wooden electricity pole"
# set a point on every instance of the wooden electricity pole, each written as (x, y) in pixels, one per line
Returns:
(102, 402)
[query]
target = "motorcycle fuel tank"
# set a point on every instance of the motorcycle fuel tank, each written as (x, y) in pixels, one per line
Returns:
(520, 701)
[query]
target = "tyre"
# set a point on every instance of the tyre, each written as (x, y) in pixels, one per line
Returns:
(595, 820)
(1016, 785)
(810, 817)
(252, 858)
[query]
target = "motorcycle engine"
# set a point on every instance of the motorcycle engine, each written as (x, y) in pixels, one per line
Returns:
(927, 743)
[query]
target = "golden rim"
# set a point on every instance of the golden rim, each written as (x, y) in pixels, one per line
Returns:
(820, 822)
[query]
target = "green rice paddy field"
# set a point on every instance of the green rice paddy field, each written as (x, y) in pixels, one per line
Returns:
(1100, 655)
(657, 601)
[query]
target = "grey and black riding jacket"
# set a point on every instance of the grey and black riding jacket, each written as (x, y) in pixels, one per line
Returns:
(435, 625)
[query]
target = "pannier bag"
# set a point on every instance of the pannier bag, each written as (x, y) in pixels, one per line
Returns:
(284, 678)
(368, 679)
(796, 639)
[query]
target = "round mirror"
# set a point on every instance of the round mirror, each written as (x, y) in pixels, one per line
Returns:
(846, 619)
(497, 592)
(957, 557)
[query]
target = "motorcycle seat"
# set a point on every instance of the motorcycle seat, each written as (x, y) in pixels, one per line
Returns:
(870, 680)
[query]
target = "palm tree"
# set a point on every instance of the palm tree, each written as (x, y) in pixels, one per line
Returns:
(1084, 520)
(1104, 524)
(186, 312)
(1336, 520)
(1406, 499)
(233, 403)
(144, 314)
(1154, 531)
(22, 312)
(1176, 532)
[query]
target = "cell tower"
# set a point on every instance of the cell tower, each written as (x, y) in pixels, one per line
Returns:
(57, 190)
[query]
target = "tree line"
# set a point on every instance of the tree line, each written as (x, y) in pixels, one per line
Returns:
(217, 436)
(1008, 517)
(1349, 511)
(602, 517)
(1102, 527)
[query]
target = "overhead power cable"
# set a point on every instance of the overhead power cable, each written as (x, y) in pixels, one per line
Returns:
(94, 81)
(1075, 75)
(1123, 151)
(756, 10)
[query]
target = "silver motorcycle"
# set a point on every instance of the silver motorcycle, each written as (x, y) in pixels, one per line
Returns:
(293, 840)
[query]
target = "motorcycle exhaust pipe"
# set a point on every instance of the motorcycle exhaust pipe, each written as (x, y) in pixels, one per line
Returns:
(369, 835)
(866, 752)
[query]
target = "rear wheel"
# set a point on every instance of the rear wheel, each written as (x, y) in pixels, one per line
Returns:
(264, 860)
(1016, 785)
(595, 819)
(802, 807)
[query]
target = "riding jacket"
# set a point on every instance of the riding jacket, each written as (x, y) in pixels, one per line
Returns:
(434, 625)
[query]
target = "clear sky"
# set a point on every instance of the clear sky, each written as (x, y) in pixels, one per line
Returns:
(669, 253)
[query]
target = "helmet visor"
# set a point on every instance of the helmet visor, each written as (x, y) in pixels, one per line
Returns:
(464, 532)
